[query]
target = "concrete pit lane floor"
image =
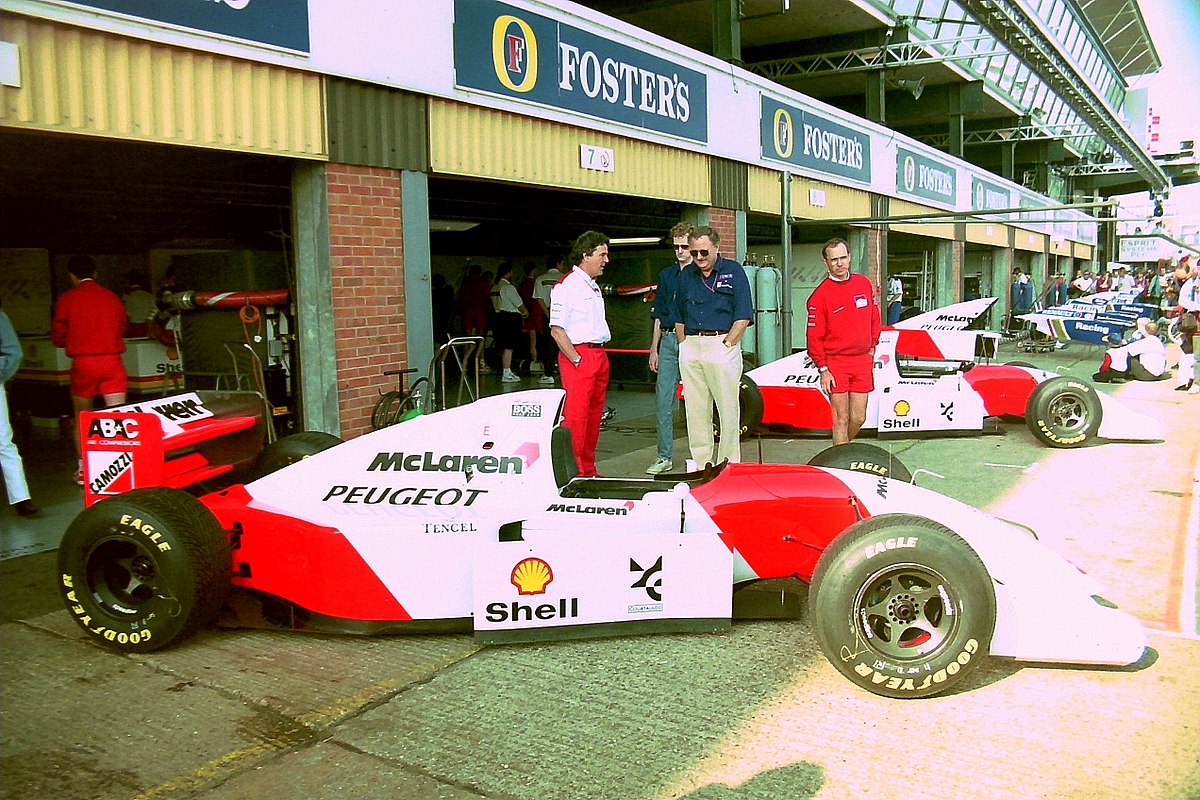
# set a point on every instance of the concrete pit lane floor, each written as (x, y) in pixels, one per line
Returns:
(753, 713)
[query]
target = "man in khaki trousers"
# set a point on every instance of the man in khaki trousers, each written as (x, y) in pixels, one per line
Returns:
(713, 311)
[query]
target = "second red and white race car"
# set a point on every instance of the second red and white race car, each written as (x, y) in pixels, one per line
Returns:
(474, 519)
(927, 383)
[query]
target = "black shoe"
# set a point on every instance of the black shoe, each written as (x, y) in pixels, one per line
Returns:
(1183, 387)
(26, 508)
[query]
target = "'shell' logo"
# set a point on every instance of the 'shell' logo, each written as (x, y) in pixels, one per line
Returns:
(514, 53)
(531, 576)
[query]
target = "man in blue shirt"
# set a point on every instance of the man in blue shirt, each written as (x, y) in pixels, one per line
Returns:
(664, 349)
(712, 312)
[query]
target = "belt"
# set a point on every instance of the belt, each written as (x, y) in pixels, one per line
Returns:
(587, 344)
(708, 333)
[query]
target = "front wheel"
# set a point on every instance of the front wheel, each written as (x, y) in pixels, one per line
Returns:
(143, 569)
(862, 457)
(903, 606)
(1063, 412)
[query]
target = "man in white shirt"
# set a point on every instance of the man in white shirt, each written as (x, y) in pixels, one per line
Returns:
(1189, 303)
(579, 328)
(895, 299)
(506, 302)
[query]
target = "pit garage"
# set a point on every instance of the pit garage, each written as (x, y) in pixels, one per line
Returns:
(209, 222)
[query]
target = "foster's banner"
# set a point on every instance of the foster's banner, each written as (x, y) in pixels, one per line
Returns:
(800, 137)
(507, 51)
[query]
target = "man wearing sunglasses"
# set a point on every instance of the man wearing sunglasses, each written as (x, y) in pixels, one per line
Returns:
(712, 311)
(843, 329)
(664, 350)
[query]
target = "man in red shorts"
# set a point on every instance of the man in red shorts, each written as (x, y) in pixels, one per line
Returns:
(89, 323)
(843, 329)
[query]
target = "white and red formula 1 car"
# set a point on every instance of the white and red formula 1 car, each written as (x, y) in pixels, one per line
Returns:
(473, 519)
(927, 383)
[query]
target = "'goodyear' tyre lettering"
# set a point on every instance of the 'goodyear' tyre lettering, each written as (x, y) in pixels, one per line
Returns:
(1050, 434)
(896, 683)
(108, 634)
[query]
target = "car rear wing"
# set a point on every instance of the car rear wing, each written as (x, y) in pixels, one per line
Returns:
(172, 441)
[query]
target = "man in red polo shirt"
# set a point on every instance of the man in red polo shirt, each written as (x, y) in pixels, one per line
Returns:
(89, 323)
(843, 329)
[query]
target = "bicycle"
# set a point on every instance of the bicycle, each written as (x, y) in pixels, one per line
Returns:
(401, 404)
(429, 394)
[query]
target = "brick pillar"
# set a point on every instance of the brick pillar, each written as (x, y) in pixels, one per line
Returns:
(367, 277)
(724, 222)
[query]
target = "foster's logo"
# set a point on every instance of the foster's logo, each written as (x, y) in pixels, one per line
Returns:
(514, 53)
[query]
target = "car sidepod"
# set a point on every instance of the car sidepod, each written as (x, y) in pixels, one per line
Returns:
(467, 514)
(1047, 610)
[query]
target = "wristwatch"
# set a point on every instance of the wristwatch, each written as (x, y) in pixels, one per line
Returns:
(822, 369)
(575, 361)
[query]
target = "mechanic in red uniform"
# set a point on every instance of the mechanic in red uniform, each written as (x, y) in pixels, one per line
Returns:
(843, 329)
(579, 328)
(89, 323)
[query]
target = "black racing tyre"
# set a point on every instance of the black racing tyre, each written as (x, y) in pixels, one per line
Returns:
(750, 405)
(903, 606)
(862, 457)
(290, 449)
(143, 569)
(1019, 364)
(1063, 412)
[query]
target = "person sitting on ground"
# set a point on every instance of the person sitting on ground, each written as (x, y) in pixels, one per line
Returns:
(1143, 358)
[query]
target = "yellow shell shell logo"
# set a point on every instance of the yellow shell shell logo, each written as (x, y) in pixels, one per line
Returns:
(902, 408)
(531, 576)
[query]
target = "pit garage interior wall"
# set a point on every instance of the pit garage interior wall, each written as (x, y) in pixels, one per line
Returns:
(137, 153)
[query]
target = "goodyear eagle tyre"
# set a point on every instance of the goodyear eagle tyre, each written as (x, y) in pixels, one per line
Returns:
(903, 607)
(290, 449)
(1063, 412)
(144, 569)
(862, 457)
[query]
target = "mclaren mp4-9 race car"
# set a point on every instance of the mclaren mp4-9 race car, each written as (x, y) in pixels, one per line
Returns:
(473, 519)
(928, 383)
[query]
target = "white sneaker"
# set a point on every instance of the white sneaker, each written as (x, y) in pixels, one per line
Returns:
(510, 377)
(547, 379)
(659, 467)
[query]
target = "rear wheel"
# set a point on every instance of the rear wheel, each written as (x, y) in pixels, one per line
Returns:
(290, 449)
(1063, 412)
(750, 405)
(143, 569)
(903, 606)
(862, 457)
